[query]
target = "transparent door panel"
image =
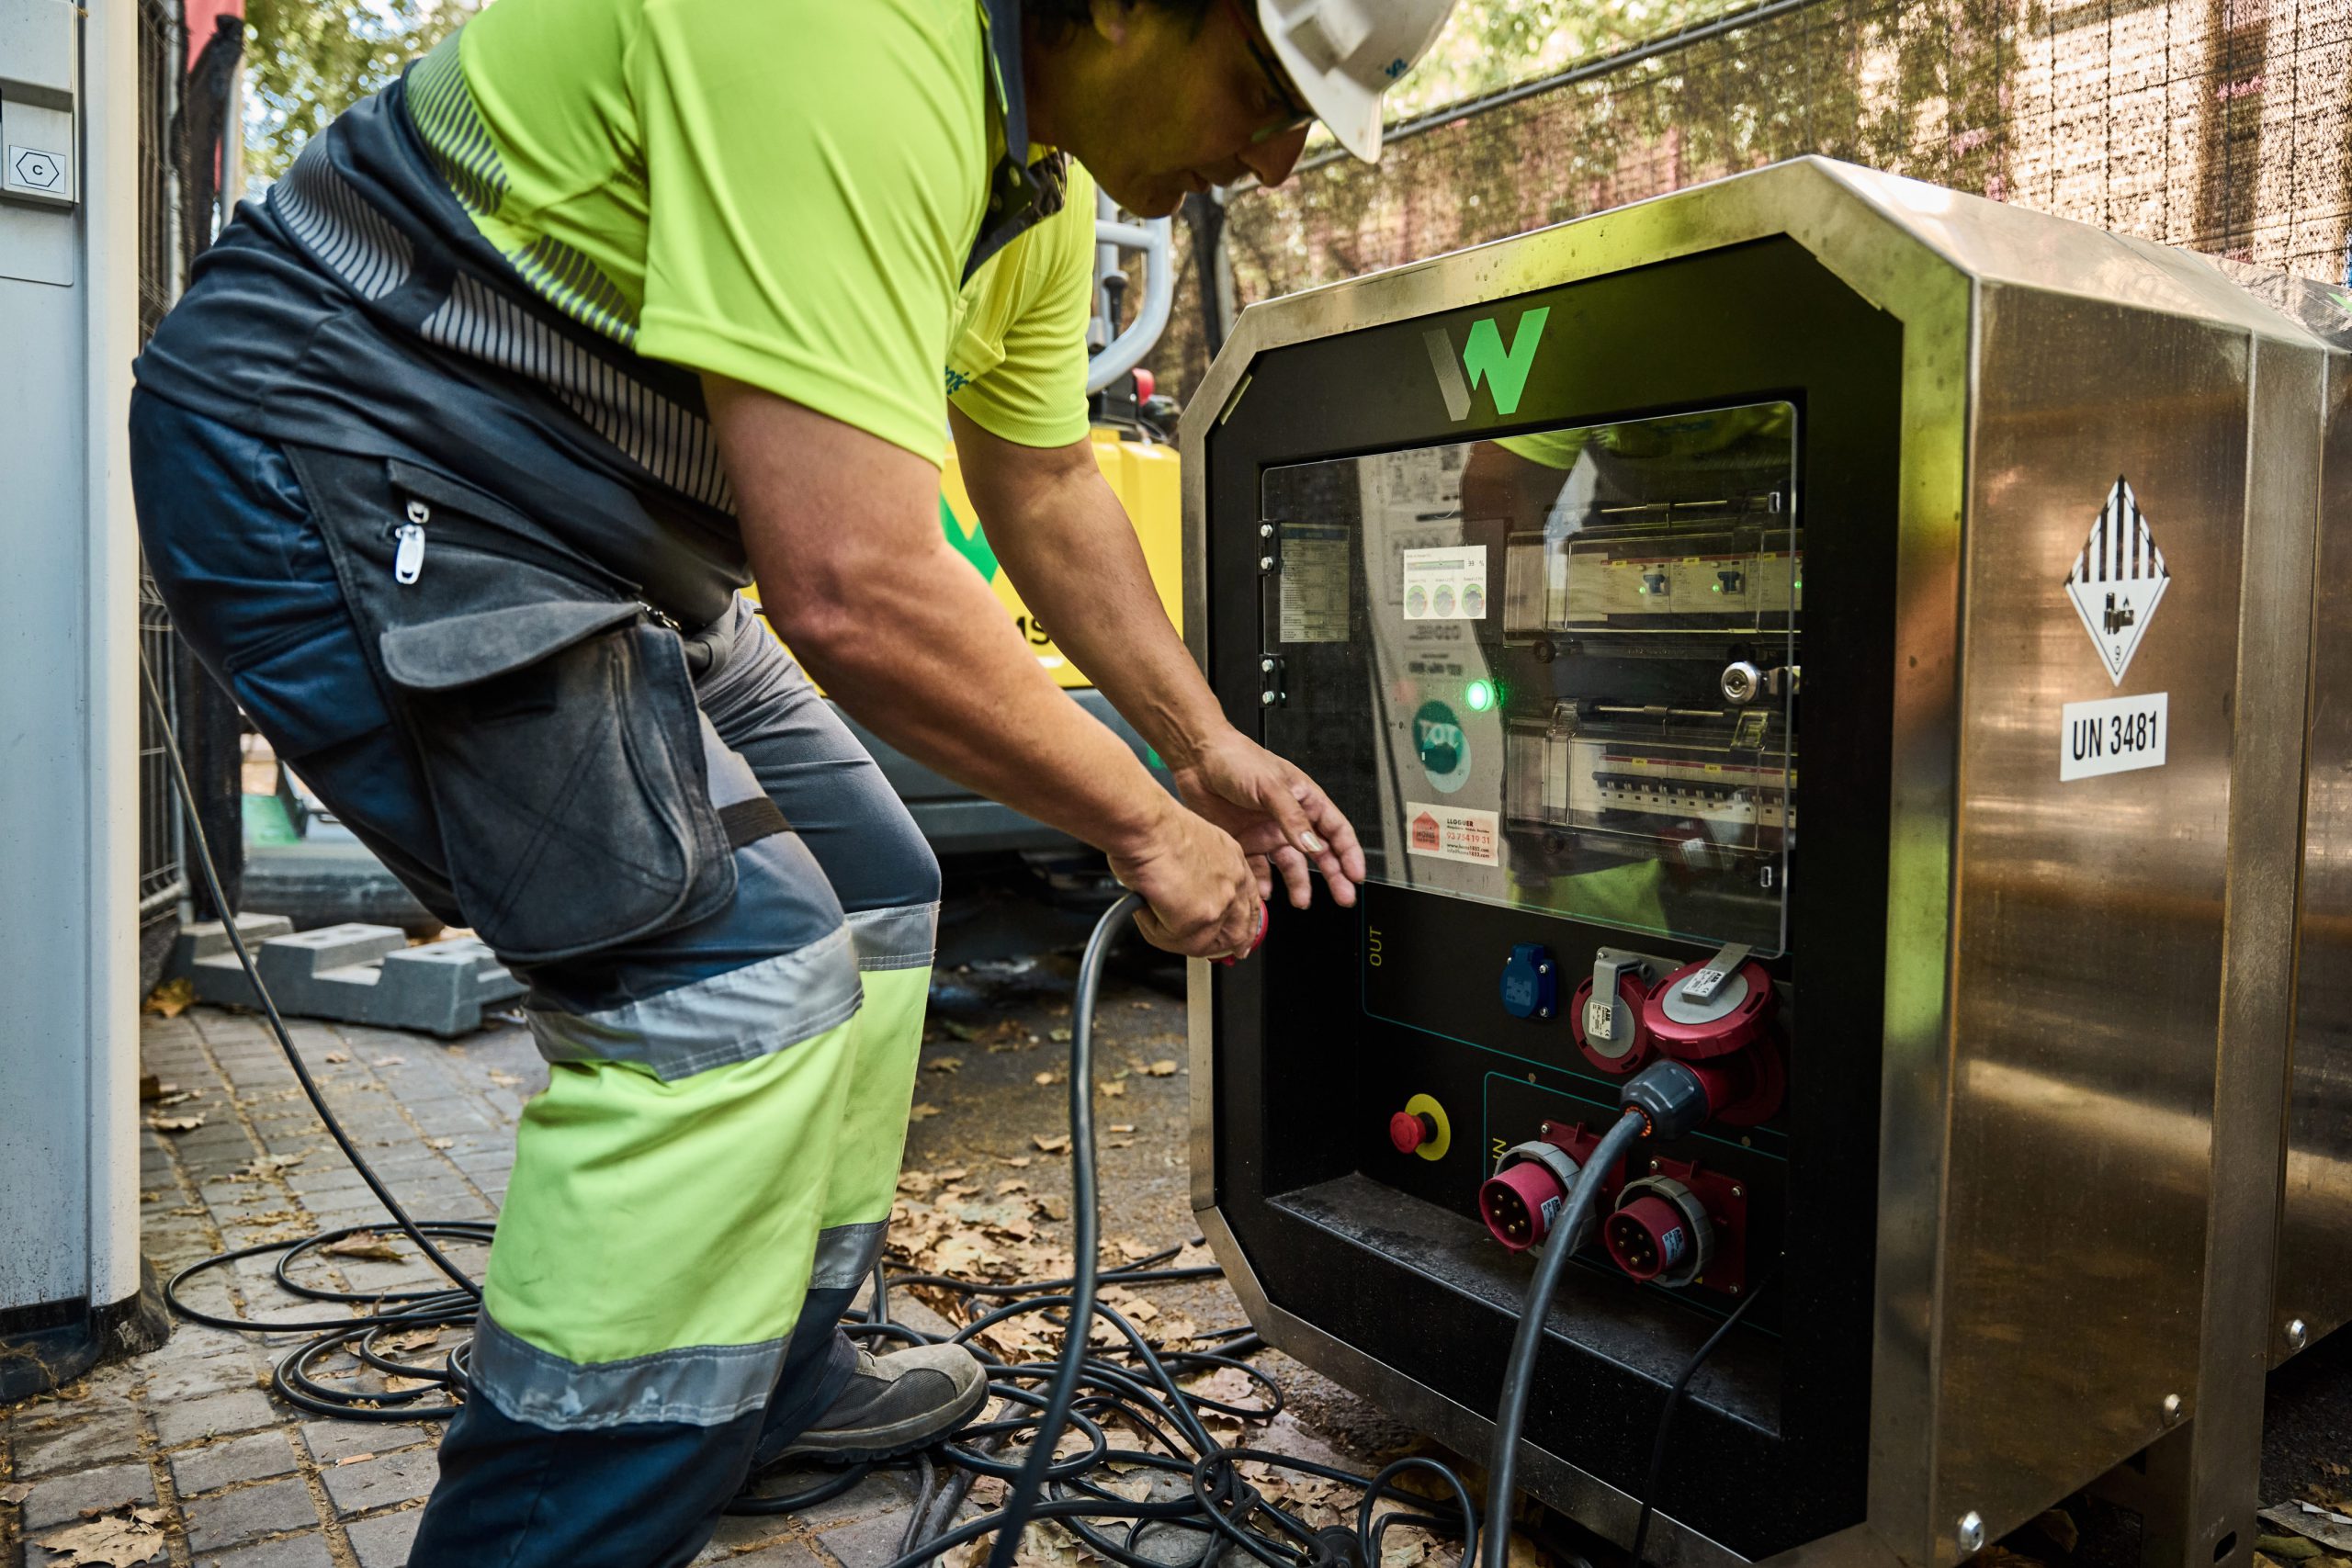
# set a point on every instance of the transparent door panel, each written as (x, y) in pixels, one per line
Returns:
(1556, 670)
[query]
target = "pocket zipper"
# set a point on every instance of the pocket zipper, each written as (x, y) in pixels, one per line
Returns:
(408, 556)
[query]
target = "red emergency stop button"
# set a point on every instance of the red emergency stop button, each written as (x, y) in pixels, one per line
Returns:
(1408, 1130)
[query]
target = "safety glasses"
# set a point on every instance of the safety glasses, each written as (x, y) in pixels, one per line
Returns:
(1299, 114)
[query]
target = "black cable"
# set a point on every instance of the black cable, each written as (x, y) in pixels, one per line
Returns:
(1085, 1222)
(1130, 1384)
(1666, 1420)
(1518, 1373)
(189, 808)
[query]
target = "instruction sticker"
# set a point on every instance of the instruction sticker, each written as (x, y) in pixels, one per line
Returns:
(1452, 832)
(1315, 583)
(2116, 735)
(1446, 584)
(2118, 580)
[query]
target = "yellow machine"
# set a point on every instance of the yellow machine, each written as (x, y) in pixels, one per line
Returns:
(1144, 475)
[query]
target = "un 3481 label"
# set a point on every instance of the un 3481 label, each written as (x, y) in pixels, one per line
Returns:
(2113, 737)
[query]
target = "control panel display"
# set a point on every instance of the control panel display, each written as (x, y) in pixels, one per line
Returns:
(1557, 670)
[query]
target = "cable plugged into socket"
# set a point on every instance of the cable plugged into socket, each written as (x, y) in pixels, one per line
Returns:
(1533, 1182)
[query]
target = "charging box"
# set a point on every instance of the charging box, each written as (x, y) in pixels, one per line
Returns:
(1850, 637)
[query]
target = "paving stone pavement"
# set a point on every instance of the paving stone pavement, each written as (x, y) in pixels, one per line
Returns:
(242, 1479)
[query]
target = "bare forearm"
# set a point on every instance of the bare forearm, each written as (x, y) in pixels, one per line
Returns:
(855, 576)
(1071, 551)
(926, 659)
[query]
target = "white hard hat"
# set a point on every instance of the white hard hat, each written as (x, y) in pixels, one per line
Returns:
(1342, 54)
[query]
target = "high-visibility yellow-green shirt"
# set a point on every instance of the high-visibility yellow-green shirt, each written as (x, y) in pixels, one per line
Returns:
(782, 192)
(1016, 355)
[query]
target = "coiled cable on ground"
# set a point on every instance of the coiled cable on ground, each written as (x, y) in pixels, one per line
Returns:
(1130, 1384)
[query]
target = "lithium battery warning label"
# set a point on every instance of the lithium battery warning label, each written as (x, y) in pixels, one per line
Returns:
(1452, 832)
(2118, 580)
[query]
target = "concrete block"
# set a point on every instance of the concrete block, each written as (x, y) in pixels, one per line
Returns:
(356, 974)
(210, 939)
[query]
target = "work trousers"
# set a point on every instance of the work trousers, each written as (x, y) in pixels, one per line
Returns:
(705, 1180)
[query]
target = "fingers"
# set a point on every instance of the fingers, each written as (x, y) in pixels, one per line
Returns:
(1264, 874)
(1298, 876)
(1340, 856)
(1156, 934)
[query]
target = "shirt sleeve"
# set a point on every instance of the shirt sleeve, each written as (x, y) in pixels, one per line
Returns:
(814, 173)
(1037, 395)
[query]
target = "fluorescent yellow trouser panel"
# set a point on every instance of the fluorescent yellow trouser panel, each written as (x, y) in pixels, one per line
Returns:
(647, 1216)
(873, 1138)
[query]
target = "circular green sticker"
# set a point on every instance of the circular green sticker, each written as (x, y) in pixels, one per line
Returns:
(1444, 750)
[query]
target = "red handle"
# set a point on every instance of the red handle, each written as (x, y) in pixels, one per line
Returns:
(1230, 959)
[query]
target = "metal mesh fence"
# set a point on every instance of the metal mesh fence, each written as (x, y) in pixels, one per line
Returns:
(163, 875)
(2223, 126)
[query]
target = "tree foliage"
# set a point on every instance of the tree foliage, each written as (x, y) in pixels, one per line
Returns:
(308, 61)
(1492, 44)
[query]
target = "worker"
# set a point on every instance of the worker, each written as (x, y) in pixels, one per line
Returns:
(450, 463)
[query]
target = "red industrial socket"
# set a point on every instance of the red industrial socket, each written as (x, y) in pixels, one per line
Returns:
(1635, 1053)
(1531, 1183)
(1681, 1224)
(1743, 1089)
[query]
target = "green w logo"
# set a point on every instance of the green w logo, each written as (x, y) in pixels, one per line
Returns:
(1484, 358)
(972, 546)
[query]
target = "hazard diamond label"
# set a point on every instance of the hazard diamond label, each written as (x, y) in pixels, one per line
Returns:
(2118, 580)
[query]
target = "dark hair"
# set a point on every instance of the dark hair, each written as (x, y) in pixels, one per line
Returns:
(1058, 16)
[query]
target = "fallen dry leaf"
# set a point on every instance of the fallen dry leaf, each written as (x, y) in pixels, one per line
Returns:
(389, 1062)
(1051, 1143)
(922, 1112)
(175, 1123)
(945, 1064)
(171, 998)
(1115, 1088)
(115, 1540)
(1163, 1068)
(1058, 1036)
(175, 1095)
(16, 1492)
(367, 1244)
(336, 1058)
(267, 1164)
(1017, 1160)
(1055, 1075)
(505, 1081)
(1010, 1184)
(440, 1143)
(1118, 1143)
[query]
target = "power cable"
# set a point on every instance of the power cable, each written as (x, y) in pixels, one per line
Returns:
(1131, 1384)
(1666, 1419)
(1510, 1415)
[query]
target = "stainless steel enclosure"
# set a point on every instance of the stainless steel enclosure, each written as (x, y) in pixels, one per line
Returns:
(2090, 977)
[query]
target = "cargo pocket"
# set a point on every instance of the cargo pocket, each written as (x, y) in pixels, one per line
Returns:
(554, 721)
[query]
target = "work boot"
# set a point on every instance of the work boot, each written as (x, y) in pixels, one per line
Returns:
(895, 1404)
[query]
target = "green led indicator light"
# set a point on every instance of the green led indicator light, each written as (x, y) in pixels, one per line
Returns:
(1480, 695)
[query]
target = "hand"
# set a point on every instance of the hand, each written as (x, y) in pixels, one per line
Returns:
(1281, 818)
(1201, 896)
